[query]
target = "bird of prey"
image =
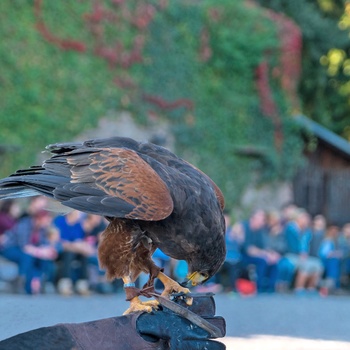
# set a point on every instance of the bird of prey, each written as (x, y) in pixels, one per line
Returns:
(152, 199)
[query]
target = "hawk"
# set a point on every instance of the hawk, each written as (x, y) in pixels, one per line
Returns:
(151, 198)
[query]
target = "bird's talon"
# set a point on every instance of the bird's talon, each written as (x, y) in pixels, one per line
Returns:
(180, 293)
(154, 304)
(189, 301)
(173, 289)
(181, 296)
(136, 305)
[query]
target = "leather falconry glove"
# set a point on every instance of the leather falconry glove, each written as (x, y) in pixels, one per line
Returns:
(159, 330)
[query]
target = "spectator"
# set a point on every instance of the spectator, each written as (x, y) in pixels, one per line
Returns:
(309, 268)
(75, 255)
(275, 239)
(275, 243)
(344, 245)
(331, 257)
(9, 213)
(36, 204)
(288, 213)
(180, 270)
(255, 252)
(165, 262)
(233, 267)
(93, 226)
(318, 233)
(32, 245)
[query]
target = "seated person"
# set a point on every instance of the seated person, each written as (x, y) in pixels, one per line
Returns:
(75, 254)
(9, 212)
(331, 257)
(33, 244)
(93, 226)
(309, 268)
(275, 242)
(344, 246)
(233, 267)
(255, 252)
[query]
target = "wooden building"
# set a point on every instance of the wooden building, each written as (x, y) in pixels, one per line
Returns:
(322, 185)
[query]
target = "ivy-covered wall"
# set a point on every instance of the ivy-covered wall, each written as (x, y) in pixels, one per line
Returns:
(225, 133)
(66, 64)
(47, 94)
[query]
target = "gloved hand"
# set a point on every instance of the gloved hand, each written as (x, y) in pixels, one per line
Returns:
(175, 332)
(158, 330)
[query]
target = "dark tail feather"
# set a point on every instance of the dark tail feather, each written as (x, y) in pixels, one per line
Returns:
(17, 192)
(18, 186)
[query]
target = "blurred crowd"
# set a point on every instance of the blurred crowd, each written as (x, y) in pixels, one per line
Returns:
(56, 252)
(284, 251)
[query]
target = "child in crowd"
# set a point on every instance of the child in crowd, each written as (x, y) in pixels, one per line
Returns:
(331, 257)
(344, 246)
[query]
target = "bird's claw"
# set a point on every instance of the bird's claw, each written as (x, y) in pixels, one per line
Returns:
(170, 287)
(180, 294)
(142, 306)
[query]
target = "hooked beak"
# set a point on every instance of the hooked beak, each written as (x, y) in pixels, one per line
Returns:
(194, 278)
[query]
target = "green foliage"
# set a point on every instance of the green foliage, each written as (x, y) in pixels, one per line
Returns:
(47, 94)
(227, 116)
(50, 95)
(323, 91)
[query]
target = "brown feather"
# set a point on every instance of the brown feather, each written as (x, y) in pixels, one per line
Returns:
(122, 173)
(121, 251)
(219, 195)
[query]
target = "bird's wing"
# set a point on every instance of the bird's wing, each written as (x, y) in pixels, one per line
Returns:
(219, 195)
(113, 182)
(115, 142)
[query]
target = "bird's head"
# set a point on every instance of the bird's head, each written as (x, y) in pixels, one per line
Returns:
(207, 251)
(196, 277)
(201, 270)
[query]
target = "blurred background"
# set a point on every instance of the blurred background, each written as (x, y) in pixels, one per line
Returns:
(254, 93)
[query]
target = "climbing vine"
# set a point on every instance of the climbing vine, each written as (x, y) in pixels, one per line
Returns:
(207, 68)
